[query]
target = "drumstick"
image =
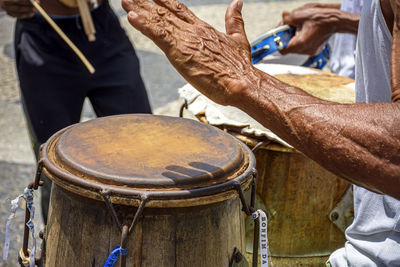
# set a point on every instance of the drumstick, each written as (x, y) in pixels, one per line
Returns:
(64, 37)
(87, 20)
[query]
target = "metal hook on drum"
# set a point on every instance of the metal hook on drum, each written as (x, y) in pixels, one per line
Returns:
(124, 229)
(104, 193)
(39, 170)
(182, 108)
(249, 211)
(259, 145)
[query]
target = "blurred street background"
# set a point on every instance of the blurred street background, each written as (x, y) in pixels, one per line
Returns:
(17, 162)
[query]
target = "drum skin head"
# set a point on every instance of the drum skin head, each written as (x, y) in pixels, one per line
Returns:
(324, 85)
(147, 151)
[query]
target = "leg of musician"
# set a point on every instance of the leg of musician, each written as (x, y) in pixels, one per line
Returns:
(116, 87)
(124, 93)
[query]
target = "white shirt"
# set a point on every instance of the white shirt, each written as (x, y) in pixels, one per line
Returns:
(344, 44)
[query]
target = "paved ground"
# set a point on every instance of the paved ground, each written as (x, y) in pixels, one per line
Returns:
(16, 158)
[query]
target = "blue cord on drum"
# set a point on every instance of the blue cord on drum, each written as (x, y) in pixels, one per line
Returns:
(112, 259)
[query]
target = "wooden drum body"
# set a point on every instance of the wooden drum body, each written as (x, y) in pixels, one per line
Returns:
(303, 201)
(299, 194)
(184, 177)
(81, 232)
(299, 197)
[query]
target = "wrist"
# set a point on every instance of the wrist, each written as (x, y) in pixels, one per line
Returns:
(340, 21)
(318, 5)
(255, 85)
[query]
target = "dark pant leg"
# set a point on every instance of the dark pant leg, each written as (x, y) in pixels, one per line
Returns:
(124, 93)
(117, 86)
(50, 96)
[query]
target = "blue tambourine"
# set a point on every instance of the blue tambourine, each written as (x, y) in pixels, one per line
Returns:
(278, 39)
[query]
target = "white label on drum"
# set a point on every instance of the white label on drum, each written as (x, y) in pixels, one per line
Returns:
(264, 246)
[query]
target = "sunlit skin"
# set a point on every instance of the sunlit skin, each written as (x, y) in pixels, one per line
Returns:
(315, 24)
(360, 142)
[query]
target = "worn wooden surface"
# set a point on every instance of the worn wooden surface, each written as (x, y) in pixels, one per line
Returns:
(80, 232)
(299, 194)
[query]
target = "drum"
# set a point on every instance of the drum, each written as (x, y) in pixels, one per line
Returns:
(308, 207)
(166, 190)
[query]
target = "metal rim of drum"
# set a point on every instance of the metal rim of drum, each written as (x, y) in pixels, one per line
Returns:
(155, 198)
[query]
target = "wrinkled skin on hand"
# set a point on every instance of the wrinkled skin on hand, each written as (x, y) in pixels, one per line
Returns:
(21, 9)
(313, 28)
(208, 59)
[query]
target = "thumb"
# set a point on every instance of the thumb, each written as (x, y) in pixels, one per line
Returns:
(234, 24)
(286, 17)
(295, 45)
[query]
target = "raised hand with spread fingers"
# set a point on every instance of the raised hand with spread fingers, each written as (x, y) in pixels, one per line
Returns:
(205, 57)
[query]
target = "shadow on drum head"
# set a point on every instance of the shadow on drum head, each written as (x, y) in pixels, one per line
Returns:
(199, 170)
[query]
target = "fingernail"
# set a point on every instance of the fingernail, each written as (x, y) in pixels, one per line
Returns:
(239, 5)
(132, 15)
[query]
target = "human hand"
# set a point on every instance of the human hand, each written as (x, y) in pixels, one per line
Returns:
(314, 25)
(215, 63)
(21, 9)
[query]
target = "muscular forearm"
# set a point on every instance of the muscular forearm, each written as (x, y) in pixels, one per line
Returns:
(334, 19)
(337, 6)
(341, 21)
(360, 142)
(345, 22)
